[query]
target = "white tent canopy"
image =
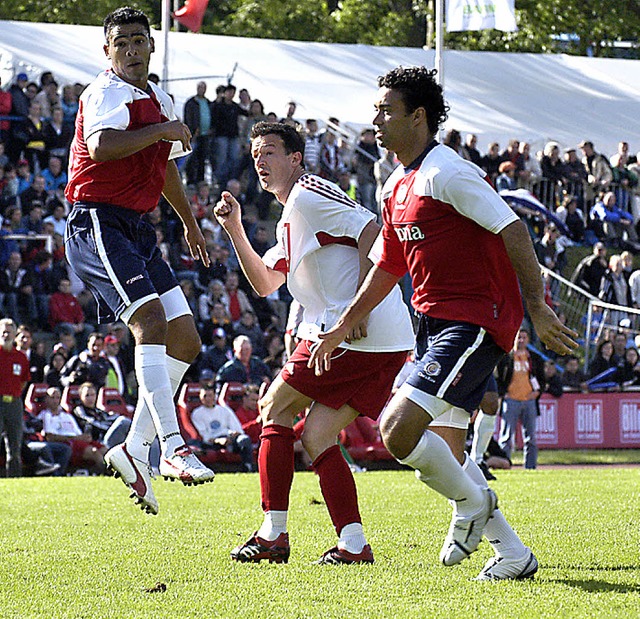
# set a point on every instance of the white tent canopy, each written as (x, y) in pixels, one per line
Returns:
(498, 96)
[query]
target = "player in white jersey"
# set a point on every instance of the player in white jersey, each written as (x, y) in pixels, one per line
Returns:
(323, 240)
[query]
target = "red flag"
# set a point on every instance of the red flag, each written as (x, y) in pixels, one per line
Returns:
(191, 14)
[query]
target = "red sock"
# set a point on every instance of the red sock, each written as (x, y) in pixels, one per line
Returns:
(338, 487)
(275, 466)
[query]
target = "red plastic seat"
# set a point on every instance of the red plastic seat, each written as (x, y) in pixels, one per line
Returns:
(363, 442)
(34, 401)
(70, 397)
(111, 400)
(231, 395)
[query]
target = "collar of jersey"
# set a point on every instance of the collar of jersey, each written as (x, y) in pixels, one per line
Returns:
(415, 164)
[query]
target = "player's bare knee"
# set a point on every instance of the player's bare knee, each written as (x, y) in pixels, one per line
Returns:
(183, 340)
(490, 403)
(148, 323)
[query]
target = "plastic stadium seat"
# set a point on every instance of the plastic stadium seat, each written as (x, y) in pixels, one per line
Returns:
(34, 400)
(188, 399)
(111, 400)
(70, 397)
(231, 395)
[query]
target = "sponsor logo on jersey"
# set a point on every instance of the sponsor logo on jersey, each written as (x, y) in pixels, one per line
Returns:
(409, 233)
(134, 279)
(432, 368)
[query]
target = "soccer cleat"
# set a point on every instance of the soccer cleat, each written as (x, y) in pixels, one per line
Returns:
(135, 474)
(503, 568)
(465, 532)
(256, 549)
(185, 466)
(339, 556)
(488, 475)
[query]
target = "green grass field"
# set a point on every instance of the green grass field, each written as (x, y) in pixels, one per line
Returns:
(77, 547)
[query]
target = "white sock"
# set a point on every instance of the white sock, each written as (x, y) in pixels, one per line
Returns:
(352, 538)
(482, 432)
(501, 536)
(437, 468)
(143, 431)
(274, 523)
(154, 386)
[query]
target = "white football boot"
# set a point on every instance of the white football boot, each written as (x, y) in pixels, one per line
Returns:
(184, 466)
(465, 532)
(504, 568)
(135, 474)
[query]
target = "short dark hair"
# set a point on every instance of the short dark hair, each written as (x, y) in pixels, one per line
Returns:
(125, 15)
(418, 88)
(290, 136)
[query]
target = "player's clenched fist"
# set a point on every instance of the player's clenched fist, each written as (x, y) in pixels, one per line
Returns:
(227, 210)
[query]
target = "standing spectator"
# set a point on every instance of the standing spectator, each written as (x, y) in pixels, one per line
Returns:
(14, 375)
(367, 153)
(219, 428)
(382, 170)
(602, 359)
(470, 149)
(69, 106)
(573, 378)
(491, 161)
(634, 286)
(453, 140)
(245, 367)
(329, 160)
(575, 174)
(24, 343)
(44, 279)
(312, 146)
(520, 377)
(5, 110)
(572, 217)
(197, 116)
(48, 98)
(17, 291)
(614, 287)
(588, 274)
(549, 251)
(20, 108)
(226, 131)
(624, 180)
(530, 172)
(552, 175)
(552, 381)
(35, 149)
(599, 174)
(507, 177)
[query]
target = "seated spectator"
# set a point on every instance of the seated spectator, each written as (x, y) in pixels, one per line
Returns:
(215, 293)
(55, 177)
(44, 279)
(470, 150)
(624, 179)
(573, 378)
(603, 359)
(57, 219)
(215, 356)
(53, 369)
(248, 325)
(630, 371)
(66, 314)
(249, 415)
(33, 222)
(529, 172)
(104, 427)
(58, 426)
(549, 251)
(218, 319)
(244, 367)
(217, 269)
(16, 290)
(88, 366)
(44, 457)
(574, 172)
(507, 176)
(202, 201)
(260, 241)
(117, 374)
(219, 428)
(611, 223)
(572, 217)
(276, 357)
(238, 302)
(552, 380)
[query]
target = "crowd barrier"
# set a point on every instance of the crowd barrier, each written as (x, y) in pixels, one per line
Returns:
(589, 421)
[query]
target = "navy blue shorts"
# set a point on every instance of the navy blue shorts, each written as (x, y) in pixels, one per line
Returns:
(454, 361)
(114, 252)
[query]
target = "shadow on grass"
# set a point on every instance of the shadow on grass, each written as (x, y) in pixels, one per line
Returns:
(598, 586)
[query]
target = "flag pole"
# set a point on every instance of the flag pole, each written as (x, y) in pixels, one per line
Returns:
(439, 61)
(166, 26)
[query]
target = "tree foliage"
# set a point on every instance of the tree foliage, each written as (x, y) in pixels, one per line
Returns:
(591, 25)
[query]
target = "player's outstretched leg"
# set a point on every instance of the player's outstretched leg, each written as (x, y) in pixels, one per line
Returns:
(275, 466)
(340, 494)
(513, 560)
(136, 475)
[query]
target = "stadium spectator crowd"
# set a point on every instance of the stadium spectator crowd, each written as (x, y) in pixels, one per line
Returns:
(589, 199)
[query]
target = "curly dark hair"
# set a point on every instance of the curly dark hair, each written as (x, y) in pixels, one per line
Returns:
(418, 88)
(291, 137)
(125, 15)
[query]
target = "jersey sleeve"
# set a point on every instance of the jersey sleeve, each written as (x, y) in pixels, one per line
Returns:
(105, 109)
(472, 196)
(168, 109)
(276, 258)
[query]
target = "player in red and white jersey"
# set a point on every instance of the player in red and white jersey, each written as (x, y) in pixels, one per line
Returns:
(323, 240)
(126, 132)
(466, 252)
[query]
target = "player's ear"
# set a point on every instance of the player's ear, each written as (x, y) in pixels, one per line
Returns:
(105, 47)
(152, 44)
(296, 158)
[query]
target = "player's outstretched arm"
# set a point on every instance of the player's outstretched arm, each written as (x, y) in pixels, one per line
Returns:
(263, 279)
(111, 144)
(550, 330)
(377, 285)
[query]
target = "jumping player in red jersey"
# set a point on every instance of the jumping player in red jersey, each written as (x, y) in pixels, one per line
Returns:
(126, 134)
(466, 252)
(322, 242)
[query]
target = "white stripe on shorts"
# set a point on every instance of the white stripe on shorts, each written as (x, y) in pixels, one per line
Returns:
(461, 361)
(102, 252)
